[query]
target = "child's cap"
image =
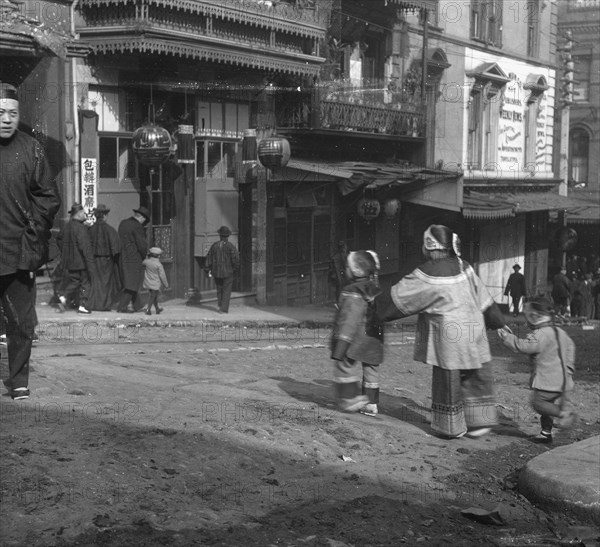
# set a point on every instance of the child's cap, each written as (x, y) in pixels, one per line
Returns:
(155, 251)
(361, 263)
(540, 305)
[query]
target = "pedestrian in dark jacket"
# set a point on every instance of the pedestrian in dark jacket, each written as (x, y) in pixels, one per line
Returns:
(561, 291)
(106, 247)
(134, 249)
(516, 288)
(29, 201)
(222, 262)
(77, 261)
(357, 337)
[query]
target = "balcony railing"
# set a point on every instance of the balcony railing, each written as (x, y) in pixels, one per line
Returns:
(350, 108)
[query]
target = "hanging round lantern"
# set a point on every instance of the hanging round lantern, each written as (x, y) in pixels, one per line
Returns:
(391, 207)
(369, 206)
(151, 144)
(566, 239)
(274, 152)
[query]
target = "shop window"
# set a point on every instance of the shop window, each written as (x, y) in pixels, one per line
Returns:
(161, 193)
(215, 159)
(579, 150)
(486, 21)
(117, 161)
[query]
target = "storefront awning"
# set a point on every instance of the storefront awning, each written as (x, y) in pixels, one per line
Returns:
(478, 205)
(430, 187)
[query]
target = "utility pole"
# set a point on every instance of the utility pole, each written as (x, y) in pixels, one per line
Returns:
(566, 99)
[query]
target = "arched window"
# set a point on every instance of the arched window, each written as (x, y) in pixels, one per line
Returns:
(579, 151)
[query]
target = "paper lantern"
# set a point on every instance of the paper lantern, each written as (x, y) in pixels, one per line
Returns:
(369, 208)
(274, 152)
(566, 239)
(391, 207)
(151, 144)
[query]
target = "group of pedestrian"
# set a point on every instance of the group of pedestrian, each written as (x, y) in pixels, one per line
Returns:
(576, 288)
(446, 294)
(101, 267)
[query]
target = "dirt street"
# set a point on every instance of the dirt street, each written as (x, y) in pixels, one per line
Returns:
(205, 436)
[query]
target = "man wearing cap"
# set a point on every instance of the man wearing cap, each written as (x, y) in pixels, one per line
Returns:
(29, 201)
(222, 261)
(516, 288)
(134, 248)
(106, 247)
(77, 260)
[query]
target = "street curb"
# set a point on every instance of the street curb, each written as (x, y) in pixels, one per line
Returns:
(566, 478)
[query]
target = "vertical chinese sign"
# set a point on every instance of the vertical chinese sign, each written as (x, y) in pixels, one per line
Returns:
(89, 186)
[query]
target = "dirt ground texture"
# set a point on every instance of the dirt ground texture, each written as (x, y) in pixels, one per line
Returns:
(193, 436)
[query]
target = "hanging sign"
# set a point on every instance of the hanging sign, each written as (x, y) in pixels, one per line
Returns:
(89, 186)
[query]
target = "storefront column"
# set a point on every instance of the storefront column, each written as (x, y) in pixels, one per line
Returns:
(259, 236)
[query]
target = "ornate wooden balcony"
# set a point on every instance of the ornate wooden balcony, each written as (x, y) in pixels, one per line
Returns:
(364, 110)
(279, 36)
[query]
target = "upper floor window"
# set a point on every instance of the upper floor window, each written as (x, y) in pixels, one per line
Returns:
(532, 19)
(484, 113)
(581, 87)
(486, 21)
(579, 150)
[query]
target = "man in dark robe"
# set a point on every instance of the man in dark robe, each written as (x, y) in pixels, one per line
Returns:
(134, 248)
(106, 247)
(77, 261)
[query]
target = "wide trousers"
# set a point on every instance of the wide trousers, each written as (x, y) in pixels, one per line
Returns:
(462, 399)
(17, 292)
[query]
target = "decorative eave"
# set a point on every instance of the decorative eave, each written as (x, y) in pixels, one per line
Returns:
(282, 18)
(158, 44)
(429, 5)
(18, 44)
(490, 72)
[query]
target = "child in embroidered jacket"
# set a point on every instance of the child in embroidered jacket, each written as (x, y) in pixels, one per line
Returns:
(552, 355)
(154, 278)
(358, 337)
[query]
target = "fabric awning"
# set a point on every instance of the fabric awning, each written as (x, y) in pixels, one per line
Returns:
(351, 176)
(479, 205)
(486, 208)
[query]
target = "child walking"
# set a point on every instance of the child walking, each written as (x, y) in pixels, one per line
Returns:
(358, 337)
(552, 355)
(154, 277)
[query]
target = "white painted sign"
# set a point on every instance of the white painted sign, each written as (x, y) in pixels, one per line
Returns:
(89, 186)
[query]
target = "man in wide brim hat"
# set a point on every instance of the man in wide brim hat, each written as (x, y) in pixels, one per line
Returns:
(222, 262)
(101, 209)
(75, 208)
(134, 249)
(143, 211)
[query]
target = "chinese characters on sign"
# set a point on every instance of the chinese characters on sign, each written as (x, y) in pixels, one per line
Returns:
(89, 187)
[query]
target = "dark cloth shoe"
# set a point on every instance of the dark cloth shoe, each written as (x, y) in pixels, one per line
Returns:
(545, 437)
(19, 393)
(148, 312)
(158, 310)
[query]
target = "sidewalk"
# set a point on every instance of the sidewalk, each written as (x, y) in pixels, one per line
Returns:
(177, 313)
(566, 478)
